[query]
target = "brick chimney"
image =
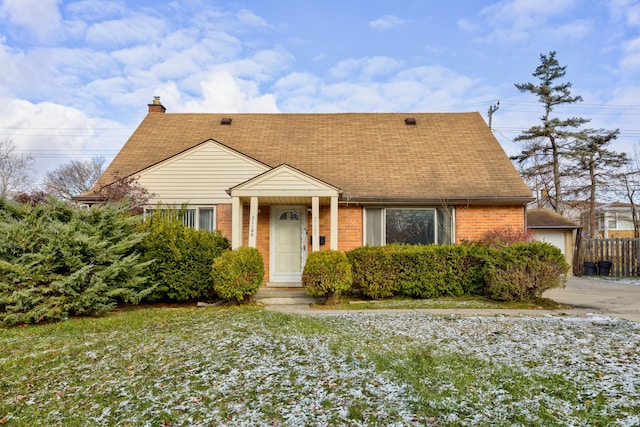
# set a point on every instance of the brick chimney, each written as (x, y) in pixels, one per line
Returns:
(156, 106)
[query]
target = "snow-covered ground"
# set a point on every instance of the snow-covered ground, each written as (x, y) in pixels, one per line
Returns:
(247, 368)
(627, 280)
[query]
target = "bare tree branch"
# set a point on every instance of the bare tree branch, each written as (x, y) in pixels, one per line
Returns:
(15, 170)
(74, 178)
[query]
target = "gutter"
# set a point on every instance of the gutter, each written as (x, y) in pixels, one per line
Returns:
(439, 201)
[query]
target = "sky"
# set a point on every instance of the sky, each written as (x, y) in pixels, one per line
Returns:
(76, 75)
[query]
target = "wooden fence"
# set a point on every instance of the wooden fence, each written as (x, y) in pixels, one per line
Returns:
(623, 254)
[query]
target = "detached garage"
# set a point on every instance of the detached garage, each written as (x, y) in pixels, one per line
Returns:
(551, 227)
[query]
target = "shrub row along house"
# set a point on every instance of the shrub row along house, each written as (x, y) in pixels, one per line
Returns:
(289, 184)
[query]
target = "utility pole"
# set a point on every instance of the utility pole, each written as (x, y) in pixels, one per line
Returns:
(492, 109)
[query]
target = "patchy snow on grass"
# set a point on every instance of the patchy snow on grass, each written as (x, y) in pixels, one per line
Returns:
(251, 367)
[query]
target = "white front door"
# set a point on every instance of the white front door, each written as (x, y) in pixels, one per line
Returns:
(288, 243)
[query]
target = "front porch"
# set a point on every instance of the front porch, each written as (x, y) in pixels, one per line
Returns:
(284, 215)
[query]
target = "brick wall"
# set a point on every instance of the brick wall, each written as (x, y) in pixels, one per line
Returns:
(223, 220)
(349, 227)
(223, 223)
(264, 231)
(473, 221)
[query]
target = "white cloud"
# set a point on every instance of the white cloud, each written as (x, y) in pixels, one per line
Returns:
(249, 18)
(261, 66)
(387, 22)
(222, 92)
(298, 83)
(364, 68)
(55, 134)
(122, 32)
(39, 17)
(576, 30)
(467, 26)
(626, 10)
(516, 21)
(425, 88)
(95, 10)
(630, 60)
(526, 13)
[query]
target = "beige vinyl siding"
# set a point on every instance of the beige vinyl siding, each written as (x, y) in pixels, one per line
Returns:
(199, 176)
(285, 181)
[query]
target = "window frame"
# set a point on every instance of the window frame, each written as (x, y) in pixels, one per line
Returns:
(196, 209)
(382, 226)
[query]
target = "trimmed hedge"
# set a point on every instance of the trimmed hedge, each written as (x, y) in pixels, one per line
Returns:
(181, 257)
(415, 271)
(238, 274)
(375, 272)
(519, 272)
(327, 274)
(439, 270)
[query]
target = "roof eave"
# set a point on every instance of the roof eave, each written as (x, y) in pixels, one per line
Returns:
(549, 227)
(88, 199)
(438, 201)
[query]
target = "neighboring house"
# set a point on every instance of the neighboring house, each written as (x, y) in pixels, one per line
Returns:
(612, 220)
(553, 228)
(289, 184)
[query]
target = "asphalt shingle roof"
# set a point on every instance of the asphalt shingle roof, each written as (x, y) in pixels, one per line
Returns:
(546, 218)
(370, 156)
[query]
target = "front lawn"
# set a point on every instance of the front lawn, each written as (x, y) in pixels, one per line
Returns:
(465, 301)
(246, 366)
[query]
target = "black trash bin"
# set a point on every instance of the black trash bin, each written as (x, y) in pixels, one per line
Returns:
(604, 268)
(589, 268)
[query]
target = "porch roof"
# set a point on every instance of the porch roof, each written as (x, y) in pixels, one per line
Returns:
(285, 185)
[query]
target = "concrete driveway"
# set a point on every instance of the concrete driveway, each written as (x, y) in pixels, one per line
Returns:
(600, 296)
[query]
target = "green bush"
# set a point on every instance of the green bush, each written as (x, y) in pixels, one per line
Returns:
(438, 270)
(181, 256)
(416, 271)
(327, 274)
(375, 272)
(57, 261)
(238, 274)
(523, 271)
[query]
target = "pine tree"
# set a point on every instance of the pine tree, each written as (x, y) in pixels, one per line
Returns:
(547, 142)
(594, 167)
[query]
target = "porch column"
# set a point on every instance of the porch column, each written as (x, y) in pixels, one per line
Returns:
(315, 223)
(236, 222)
(334, 223)
(253, 222)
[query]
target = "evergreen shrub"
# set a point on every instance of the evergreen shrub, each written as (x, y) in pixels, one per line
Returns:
(57, 261)
(375, 274)
(181, 257)
(438, 270)
(523, 271)
(416, 271)
(327, 274)
(238, 274)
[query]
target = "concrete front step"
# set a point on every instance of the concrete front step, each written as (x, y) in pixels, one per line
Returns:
(284, 296)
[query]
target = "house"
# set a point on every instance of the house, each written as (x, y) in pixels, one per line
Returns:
(555, 229)
(289, 184)
(612, 220)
